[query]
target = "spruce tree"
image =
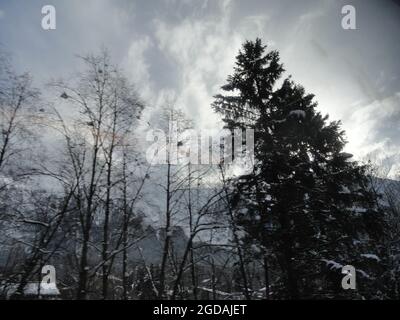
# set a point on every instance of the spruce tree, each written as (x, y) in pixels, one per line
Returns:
(306, 205)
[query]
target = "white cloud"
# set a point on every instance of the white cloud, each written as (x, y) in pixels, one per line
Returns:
(137, 67)
(203, 53)
(370, 127)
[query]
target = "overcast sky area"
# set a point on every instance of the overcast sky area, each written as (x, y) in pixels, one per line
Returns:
(183, 50)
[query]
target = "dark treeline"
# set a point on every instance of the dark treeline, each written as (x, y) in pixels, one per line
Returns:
(77, 192)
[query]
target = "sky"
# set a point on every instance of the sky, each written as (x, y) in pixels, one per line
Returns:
(183, 51)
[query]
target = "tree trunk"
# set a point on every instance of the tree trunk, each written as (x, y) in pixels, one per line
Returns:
(167, 237)
(266, 277)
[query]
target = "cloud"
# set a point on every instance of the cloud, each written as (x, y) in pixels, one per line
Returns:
(182, 51)
(375, 128)
(203, 54)
(137, 66)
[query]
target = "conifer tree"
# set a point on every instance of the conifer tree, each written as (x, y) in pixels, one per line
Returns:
(306, 205)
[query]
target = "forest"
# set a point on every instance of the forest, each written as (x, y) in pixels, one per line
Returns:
(79, 191)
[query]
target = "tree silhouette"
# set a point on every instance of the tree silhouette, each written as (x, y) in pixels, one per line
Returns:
(305, 204)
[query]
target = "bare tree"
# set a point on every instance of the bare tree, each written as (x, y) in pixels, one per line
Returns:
(18, 102)
(108, 107)
(203, 220)
(173, 185)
